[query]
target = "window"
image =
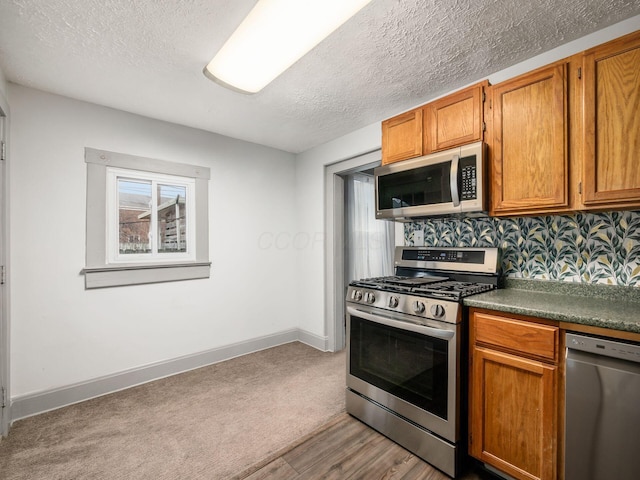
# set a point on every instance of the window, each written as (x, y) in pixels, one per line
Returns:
(146, 220)
(149, 217)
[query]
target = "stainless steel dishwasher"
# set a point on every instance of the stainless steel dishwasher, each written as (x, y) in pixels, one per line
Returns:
(602, 435)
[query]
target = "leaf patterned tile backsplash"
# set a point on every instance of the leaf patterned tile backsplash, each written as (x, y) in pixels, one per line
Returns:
(582, 247)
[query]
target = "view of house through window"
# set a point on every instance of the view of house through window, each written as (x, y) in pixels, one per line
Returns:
(136, 210)
(134, 200)
(172, 218)
(152, 216)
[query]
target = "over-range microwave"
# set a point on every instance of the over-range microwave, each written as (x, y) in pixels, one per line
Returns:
(450, 182)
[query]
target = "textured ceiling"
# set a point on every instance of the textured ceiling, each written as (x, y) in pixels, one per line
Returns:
(147, 57)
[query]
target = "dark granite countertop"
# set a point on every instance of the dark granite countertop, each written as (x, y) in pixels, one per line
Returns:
(606, 306)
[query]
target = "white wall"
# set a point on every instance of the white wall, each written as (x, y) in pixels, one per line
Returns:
(3, 84)
(310, 173)
(62, 334)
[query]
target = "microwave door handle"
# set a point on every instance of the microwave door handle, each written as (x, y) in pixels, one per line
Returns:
(423, 329)
(453, 181)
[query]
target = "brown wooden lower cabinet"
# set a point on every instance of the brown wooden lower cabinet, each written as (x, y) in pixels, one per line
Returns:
(515, 395)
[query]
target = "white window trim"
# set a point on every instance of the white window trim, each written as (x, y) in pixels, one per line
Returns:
(98, 271)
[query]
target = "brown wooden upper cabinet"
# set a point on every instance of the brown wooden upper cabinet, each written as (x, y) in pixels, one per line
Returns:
(402, 137)
(530, 163)
(456, 119)
(566, 136)
(611, 133)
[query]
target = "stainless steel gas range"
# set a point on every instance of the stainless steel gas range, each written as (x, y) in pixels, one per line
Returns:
(406, 348)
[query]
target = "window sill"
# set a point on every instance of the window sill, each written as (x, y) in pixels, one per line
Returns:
(114, 276)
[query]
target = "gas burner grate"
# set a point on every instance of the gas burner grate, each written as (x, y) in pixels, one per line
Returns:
(453, 289)
(434, 287)
(404, 281)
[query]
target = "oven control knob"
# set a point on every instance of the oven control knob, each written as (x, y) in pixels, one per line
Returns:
(370, 298)
(437, 310)
(418, 307)
(356, 295)
(393, 301)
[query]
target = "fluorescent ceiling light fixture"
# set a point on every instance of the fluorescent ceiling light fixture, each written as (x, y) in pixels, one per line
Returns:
(275, 35)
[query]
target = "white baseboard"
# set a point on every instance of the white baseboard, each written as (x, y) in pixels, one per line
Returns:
(315, 341)
(33, 404)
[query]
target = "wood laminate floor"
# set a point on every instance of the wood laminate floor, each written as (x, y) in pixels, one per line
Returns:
(349, 449)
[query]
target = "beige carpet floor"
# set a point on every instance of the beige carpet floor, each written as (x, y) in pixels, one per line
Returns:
(210, 423)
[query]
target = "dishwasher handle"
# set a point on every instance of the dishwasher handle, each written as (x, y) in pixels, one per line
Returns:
(602, 346)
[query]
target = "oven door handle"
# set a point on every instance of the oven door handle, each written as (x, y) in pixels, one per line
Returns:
(414, 327)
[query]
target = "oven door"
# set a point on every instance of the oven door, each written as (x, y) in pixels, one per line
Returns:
(408, 368)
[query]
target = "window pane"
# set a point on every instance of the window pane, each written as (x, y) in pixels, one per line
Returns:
(172, 218)
(134, 216)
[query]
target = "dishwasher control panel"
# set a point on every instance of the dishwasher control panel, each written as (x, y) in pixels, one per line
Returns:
(601, 346)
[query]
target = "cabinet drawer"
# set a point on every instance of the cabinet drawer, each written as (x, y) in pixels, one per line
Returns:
(521, 337)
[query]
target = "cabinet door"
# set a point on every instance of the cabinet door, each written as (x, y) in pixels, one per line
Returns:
(402, 137)
(611, 76)
(454, 120)
(529, 145)
(513, 419)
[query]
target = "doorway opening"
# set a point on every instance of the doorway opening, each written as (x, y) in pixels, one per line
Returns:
(341, 265)
(368, 242)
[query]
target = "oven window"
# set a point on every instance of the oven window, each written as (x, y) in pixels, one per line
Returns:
(409, 365)
(419, 186)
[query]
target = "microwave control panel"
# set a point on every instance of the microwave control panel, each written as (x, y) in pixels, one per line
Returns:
(469, 189)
